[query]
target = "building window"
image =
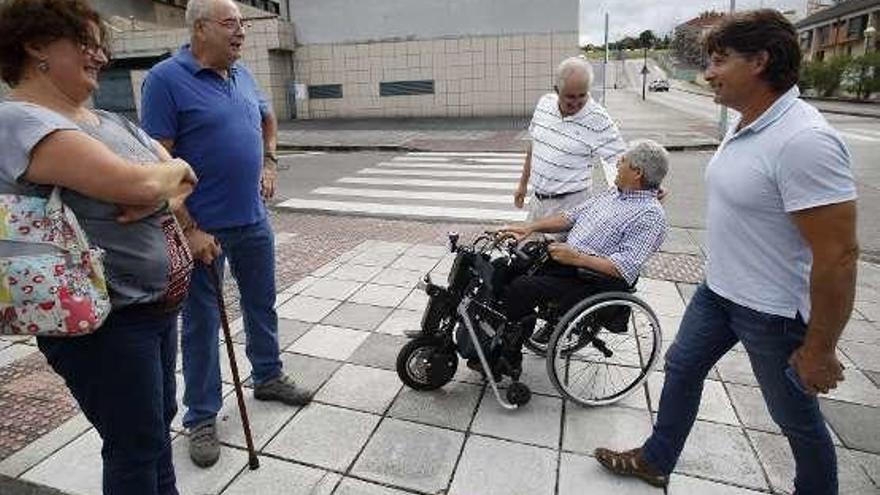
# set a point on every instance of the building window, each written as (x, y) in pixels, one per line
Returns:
(325, 91)
(856, 27)
(825, 35)
(403, 88)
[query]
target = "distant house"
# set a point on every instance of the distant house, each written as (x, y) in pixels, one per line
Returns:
(687, 36)
(700, 24)
(840, 30)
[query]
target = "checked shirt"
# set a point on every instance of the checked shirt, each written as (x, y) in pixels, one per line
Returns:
(625, 227)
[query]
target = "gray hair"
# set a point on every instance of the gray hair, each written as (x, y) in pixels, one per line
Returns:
(651, 158)
(197, 10)
(573, 65)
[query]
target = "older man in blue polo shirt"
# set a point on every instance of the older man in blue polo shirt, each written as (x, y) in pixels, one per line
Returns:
(780, 278)
(207, 109)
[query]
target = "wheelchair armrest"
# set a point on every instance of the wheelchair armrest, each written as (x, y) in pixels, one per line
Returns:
(598, 278)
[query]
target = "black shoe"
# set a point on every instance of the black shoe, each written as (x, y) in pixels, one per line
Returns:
(542, 334)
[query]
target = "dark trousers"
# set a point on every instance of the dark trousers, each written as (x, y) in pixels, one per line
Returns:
(553, 282)
(122, 376)
(712, 325)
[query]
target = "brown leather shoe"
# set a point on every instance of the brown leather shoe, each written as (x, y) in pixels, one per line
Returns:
(631, 463)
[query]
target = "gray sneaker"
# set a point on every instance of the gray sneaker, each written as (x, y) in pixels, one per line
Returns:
(282, 389)
(204, 447)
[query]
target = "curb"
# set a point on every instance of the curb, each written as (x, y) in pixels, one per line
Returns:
(851, 113)
(355, 148)
(13, 486)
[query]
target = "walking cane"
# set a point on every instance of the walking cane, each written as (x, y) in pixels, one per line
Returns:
(214, 270)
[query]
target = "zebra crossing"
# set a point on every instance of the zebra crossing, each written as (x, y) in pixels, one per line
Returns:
(453, 186)
(861, 134)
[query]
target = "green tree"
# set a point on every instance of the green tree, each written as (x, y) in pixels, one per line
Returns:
(862, 76)
(647, 38)
(825, 76)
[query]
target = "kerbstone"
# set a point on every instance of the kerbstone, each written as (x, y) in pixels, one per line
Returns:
(721, 453)
(400, 321)
(680, 484)
(536, 422)
(380, 295)
(451, 406)
(80, 461)
(359, 387)
(309, 373)
(324, 436)
(379, 351)
(357, 316)
(855, 424)
(775, 454)
(409, 455)
(329, 342)
(305, 308)
(351, 486)
(577, 472)
(329, 288)
(613, 427)
(276, 476)
(496, 467)
(398, 277)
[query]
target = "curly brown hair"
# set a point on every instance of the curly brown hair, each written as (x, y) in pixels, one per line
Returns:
(43, 21)
(750, 33)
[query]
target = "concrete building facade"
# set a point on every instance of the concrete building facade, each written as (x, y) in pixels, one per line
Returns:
(455, 58)
(348, 58)
(846, 28)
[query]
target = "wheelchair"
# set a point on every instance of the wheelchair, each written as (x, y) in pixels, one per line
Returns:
(599, 351)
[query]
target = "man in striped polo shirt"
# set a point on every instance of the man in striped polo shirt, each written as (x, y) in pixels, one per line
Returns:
(613, 233)
(570, 133)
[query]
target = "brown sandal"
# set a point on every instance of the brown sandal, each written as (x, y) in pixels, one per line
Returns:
(630, 463)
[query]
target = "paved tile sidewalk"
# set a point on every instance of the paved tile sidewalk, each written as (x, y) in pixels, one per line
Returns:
(366, 434)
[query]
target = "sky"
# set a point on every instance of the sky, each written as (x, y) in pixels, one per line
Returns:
(631, 17)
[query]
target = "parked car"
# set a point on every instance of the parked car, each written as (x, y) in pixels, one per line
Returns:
(659, 85)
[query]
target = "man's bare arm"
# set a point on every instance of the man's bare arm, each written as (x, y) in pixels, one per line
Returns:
(830, 231)
(519, 195)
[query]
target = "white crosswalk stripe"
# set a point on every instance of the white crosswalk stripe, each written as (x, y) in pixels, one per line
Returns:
(859, 134)
(450, 186)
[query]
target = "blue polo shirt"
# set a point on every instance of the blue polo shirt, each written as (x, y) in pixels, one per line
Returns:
(215, 124)
(788, 160)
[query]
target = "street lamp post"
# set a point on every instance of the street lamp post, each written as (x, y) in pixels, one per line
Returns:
(869, 33)
(644, 70)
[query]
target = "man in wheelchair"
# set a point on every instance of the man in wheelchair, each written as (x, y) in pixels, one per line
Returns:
(610, 237)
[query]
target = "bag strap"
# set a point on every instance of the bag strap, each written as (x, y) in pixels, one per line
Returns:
(59, 213)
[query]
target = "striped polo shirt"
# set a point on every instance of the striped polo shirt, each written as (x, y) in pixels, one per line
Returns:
(564, 149)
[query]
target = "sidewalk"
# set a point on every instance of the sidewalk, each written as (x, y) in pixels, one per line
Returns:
(348, 294)
(498, 134)
(870, 109)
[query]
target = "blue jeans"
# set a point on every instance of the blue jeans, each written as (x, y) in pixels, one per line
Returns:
(712, 325)
(122, 376)
(250, 250)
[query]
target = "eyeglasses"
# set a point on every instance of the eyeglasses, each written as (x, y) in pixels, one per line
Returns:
(232, 23)
(93, 48)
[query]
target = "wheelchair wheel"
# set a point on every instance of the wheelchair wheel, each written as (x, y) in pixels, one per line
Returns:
(426, 363)
(603, 348)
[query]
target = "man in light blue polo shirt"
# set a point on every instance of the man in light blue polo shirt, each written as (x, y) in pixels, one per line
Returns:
(781, 272)
(206, 108)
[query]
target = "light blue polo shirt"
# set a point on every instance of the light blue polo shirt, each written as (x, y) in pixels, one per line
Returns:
(216, 127)
(787, 160)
